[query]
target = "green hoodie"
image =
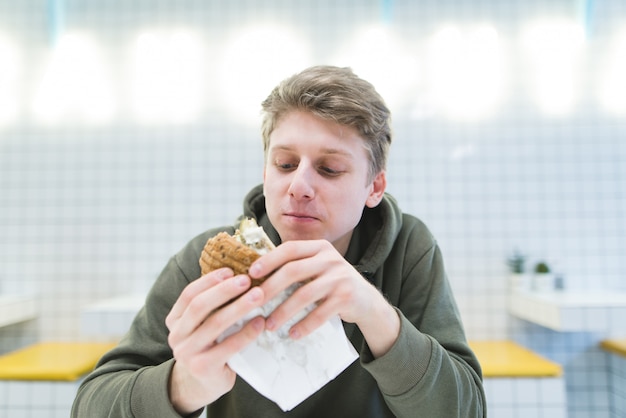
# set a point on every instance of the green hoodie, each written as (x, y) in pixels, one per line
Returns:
(429, 372)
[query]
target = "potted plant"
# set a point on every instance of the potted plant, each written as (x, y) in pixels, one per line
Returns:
(543, 280)
(517, 266)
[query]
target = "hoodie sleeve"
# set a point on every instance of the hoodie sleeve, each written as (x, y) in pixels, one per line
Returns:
(132, 379)
(430, 370)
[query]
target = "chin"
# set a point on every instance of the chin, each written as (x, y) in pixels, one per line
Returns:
(294, 234)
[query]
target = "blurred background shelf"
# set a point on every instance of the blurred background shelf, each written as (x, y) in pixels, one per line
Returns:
(16, 308)
(110, 317)
(594, 311)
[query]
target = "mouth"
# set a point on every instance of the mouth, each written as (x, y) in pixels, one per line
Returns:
(300, 216)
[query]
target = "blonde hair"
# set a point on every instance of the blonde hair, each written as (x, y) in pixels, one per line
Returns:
(336, 94)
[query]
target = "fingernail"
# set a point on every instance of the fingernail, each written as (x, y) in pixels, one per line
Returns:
(221, 274)
(254, 294)
(270, 324)
(242, 281)
(254, 268)
(257, 324)
(294, 334)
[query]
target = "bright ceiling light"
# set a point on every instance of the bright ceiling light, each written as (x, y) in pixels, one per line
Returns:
(75, 85)
(377, 55)
(167, 79)
(554, 50)
(254, 60)
(9, 70)
(465, 71)
(613, 84)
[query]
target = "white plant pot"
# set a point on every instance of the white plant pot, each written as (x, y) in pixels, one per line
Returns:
(543, 282)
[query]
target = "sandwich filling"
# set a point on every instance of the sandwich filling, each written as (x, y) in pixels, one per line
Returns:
(253, 236)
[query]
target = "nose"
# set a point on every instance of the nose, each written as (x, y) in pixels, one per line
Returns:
(301, 186)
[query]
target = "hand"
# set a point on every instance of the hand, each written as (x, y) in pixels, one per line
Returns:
(331, 282)
(200, 374)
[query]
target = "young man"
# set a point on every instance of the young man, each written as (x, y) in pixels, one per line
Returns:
(326, 137)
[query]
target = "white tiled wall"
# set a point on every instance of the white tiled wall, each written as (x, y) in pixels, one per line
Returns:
(93, 211)
(41, 399)
(526, 397)
(617, 385)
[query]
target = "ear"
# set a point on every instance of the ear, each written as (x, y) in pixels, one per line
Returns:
(378, 187)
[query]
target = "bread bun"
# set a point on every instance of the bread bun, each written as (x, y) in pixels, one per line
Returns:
(238, 251)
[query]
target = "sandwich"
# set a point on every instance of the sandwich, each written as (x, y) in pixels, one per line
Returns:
(237, 251)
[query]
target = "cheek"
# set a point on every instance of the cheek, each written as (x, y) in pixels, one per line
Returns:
(271, 184)
(268, 191)
(274, 191)
(349, 204)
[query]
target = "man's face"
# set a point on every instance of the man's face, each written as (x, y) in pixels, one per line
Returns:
(316, 179)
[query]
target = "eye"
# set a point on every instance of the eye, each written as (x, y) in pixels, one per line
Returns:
(330, 172)
(284, 165)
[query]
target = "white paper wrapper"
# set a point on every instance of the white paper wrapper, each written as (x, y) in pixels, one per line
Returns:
(288, 371)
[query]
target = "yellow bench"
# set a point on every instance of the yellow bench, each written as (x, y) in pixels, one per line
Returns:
(509, 359)
(59, 361)
(616, 346)
(518, 379)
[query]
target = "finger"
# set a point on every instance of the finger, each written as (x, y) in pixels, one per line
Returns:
(194, 288)
(303, 297)
(215, 325)
(315, 319)
(239, 340)
(203, 304)
(290, 273)
(284, 253)
(225, 317)
(215, 358)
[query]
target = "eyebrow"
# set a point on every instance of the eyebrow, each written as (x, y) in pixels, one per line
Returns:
(330, 151)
